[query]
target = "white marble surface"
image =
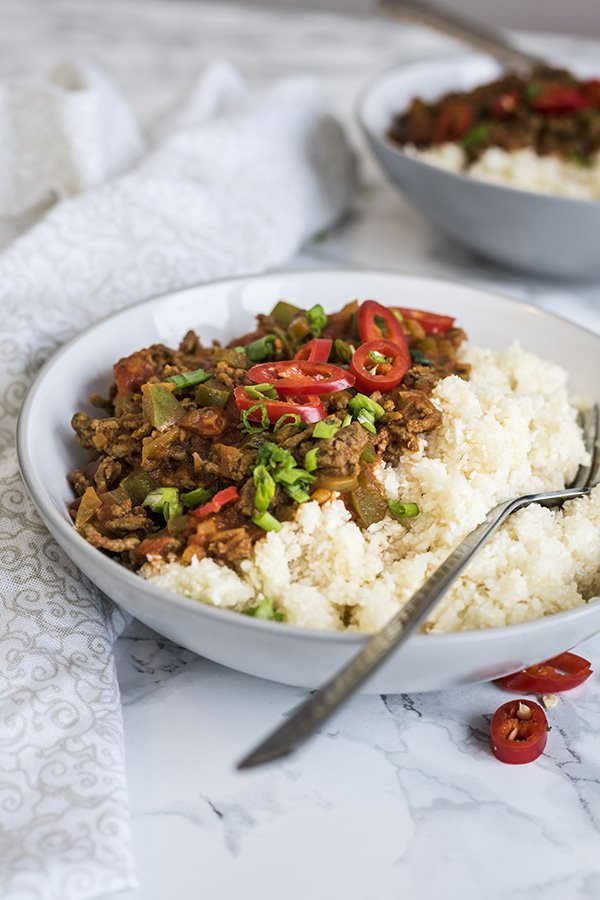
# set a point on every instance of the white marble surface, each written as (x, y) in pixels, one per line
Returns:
(400, 796)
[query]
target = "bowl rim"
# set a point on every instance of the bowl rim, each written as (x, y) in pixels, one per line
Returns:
(450, 58)
(70, 537)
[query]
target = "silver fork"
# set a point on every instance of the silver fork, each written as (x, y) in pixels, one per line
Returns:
(327, 699)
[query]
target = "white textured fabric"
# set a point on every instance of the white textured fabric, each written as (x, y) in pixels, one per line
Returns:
(234, 184)
(60, 136)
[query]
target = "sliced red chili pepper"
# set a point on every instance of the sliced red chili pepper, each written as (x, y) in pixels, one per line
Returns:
(227, 495)
(453, 122)
(590, 91)
(317, 350)
(505, 104)
(301, 377)
(309, 409)
(515, 737)
(432, 323)
(373, 376)
(558, 98)
(561, 673)
(370, 329)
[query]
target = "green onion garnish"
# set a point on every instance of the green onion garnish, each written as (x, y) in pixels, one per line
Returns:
(296, 492)
(362, 402)
(310, 459)
(266, 521)
(196, 498)
(325, 429)
(166, 501)
(292, 476)
(344, 351)
(578, 159)
(317, 319)
(377, 357)
(396, 313)
(366, 419)
(272, 455)
(420, 360)
(265, 488)
(261, 391)
(381, 324)
(261, 348)
(346, 420)
(287, 419)
(188, 379)
(402, 510)
(477, 135)
(265, 610)
(253, 427)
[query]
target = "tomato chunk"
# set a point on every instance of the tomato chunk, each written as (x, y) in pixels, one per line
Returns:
(561, 673)
(300, 377)
(131, 372)
(518, 732)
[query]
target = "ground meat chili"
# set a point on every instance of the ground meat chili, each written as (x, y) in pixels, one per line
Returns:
(551, 112)
(202, 450)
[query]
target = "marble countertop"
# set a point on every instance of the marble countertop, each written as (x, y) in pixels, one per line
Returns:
(400, 795)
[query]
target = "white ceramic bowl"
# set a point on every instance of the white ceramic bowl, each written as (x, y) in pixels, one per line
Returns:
(551, 236)
(48, 450)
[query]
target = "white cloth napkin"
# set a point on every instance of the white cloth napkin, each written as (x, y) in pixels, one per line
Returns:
(234, 182)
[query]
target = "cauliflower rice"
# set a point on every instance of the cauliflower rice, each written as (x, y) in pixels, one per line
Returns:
(522, 169)
(509, 430)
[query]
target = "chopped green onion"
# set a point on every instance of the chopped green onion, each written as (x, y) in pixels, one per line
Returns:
(265, 610)
(196, 497)
(261, 391)
(325, 429)
(346, 420)
(240, 349)
(166, 501)
(292, 476)
(296, 492)
(260, 349)
(377, 357)
(420, 360)
(189, 379)
(578, 159)
(310, 459)
(344, 351)
(532, 90)
(366, 419)
(317, 319)
(402, 510)
(272, 455)
(396, 313)
(381, 324)
(265, 488)
(281, 421)
(250, 427)
(477, 135)
(266, 521)
(360, 402)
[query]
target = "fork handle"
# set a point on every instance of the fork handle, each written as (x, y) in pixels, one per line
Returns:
(324, 702)
(449, 22)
